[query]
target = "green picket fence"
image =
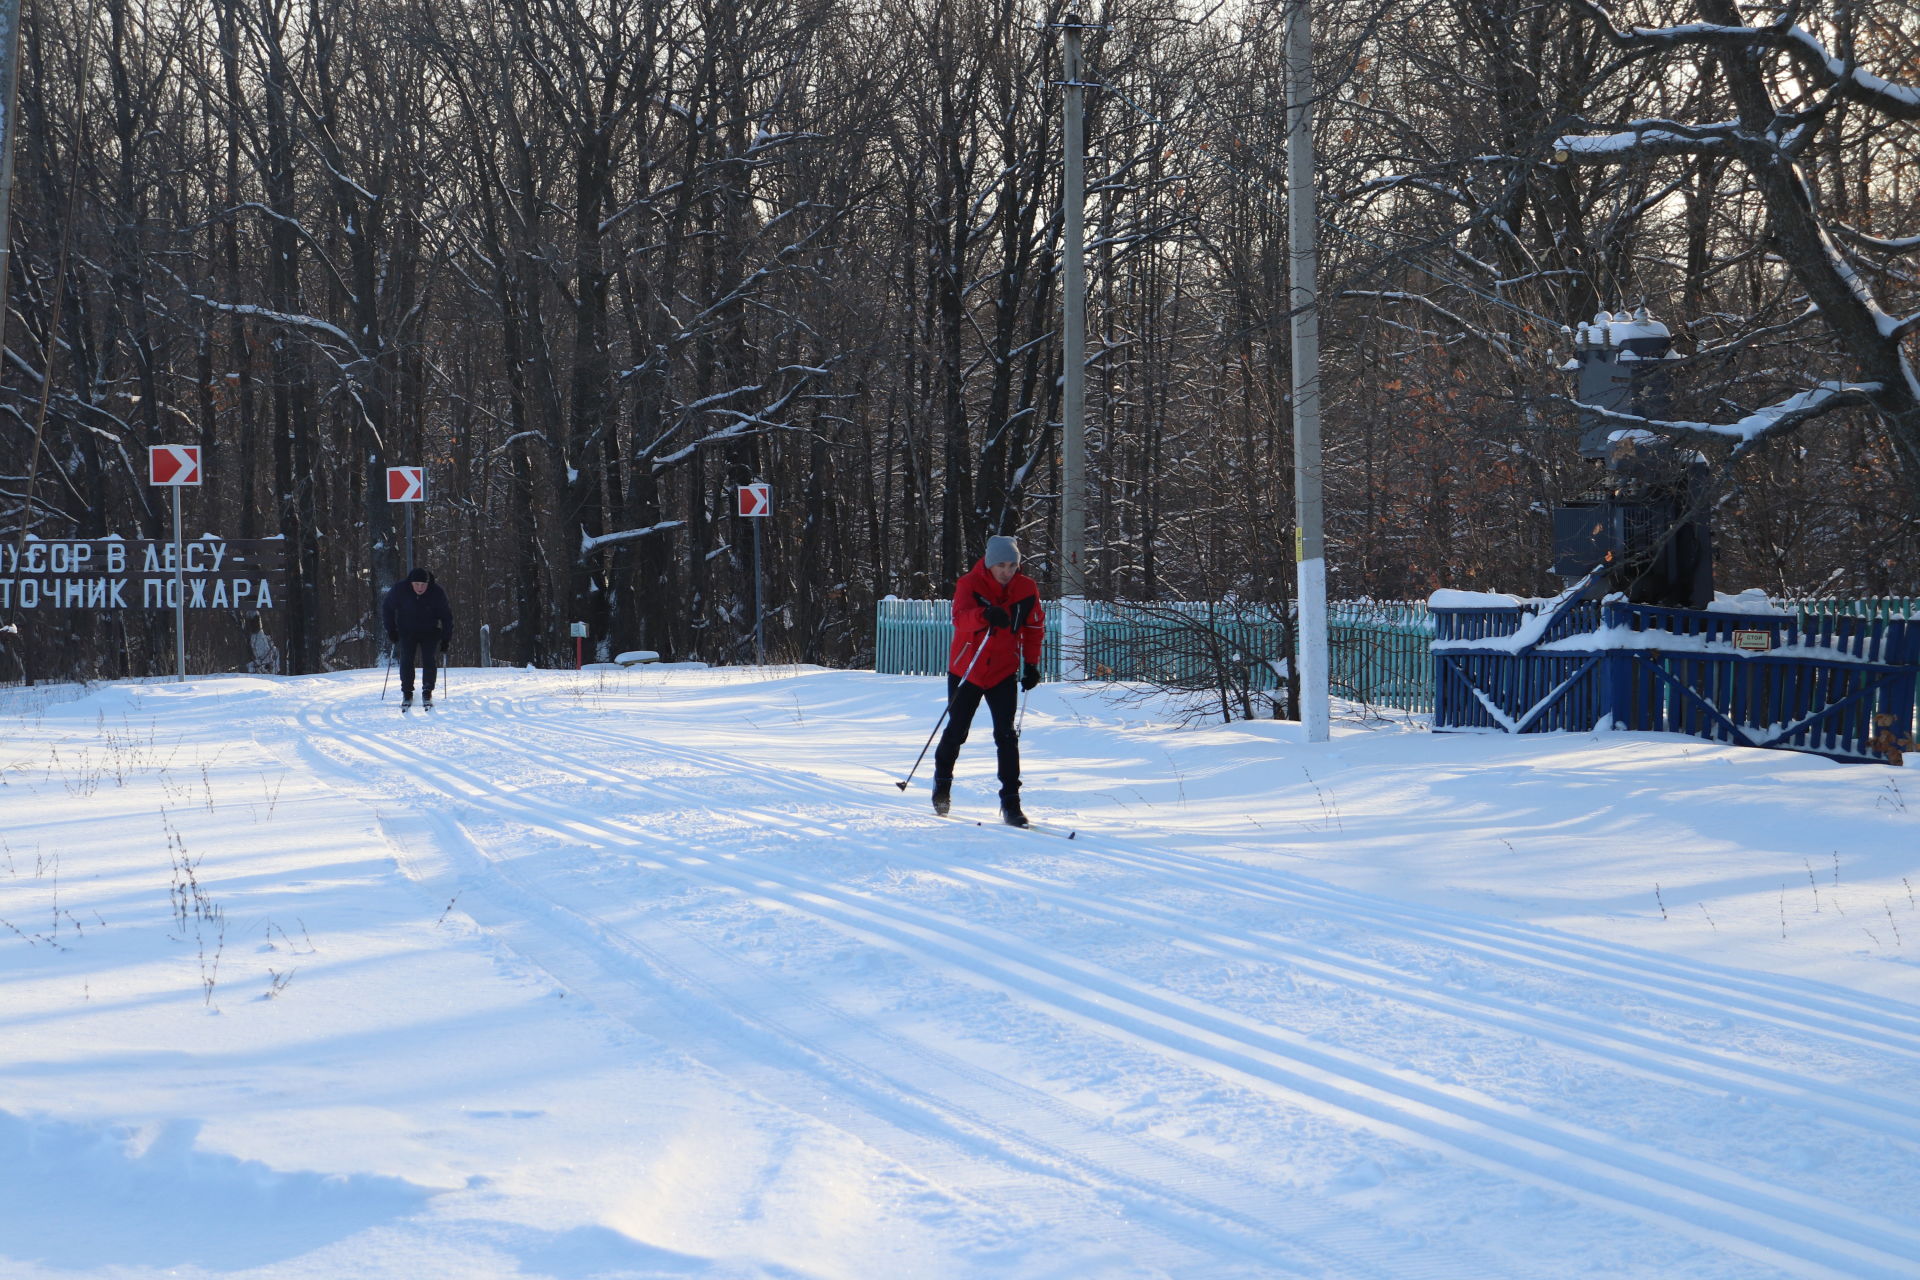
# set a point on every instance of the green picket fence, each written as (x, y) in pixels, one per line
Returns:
(1381, 654)
(912, 638)
(1876, 608)
(1379, 651)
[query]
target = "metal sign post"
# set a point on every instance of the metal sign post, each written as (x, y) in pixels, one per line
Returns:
(176, 466)
(756, 504)
(179, 592)
(579, 630)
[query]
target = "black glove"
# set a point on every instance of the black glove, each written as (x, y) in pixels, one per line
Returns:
(1030, 677)
(997, 617)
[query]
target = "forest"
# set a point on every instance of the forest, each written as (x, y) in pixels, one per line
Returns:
(594, 264)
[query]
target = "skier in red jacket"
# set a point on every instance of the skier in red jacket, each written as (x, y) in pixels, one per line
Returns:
(997, 629)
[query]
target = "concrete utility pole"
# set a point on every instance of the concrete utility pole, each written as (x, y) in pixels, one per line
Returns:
(1073, 345)
(1303, 245)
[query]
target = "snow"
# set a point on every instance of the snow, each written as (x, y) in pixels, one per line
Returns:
(1751, 601)
(1759, 422)
(589, 543)
(1615, 328)
(1622, 637)
(1792, 411)
(1901, 95)
(1448, 598)
(654, 972)
(1643, 137)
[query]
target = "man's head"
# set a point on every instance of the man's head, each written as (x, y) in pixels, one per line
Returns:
(1002, 558)
(419, 578)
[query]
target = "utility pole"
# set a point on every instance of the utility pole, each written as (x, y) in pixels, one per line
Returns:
(1303, 296)
(1073, 345)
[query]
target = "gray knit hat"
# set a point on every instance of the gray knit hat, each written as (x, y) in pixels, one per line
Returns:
(1001, 550)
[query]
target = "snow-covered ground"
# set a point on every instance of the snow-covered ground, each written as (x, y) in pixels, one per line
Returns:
(656, 973)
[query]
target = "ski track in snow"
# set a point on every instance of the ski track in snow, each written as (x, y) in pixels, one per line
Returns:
(1032, 960)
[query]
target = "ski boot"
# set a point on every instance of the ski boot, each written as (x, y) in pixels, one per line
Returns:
(942, 797)
(1012, 814)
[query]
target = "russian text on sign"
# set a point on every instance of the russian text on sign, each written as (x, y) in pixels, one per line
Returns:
(100, 573)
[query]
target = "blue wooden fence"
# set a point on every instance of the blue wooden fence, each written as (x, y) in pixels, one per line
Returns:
(1824, 684)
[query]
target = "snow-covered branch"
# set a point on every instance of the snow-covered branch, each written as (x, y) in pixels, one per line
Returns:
(589, 543)
(1646, 138)
(309, 324)
(1882, 244)
(1816, 63)
(1774, 419)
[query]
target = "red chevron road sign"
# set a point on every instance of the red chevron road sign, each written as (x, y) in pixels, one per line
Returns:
(173, 464)
(406, 484)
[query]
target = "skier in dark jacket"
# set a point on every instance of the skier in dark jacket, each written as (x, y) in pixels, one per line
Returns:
(419, 625)
(998, 627)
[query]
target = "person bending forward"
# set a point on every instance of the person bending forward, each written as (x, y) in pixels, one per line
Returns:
(419, 624)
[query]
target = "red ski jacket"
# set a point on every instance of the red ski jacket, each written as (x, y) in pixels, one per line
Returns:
(987, 655)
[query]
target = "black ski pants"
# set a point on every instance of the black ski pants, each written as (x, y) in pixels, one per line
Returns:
(417, 650)
(964, 698)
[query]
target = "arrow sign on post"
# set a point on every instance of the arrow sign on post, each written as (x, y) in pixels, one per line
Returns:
(756, 503)
(406, 484)
(176, 466)
(173, 465)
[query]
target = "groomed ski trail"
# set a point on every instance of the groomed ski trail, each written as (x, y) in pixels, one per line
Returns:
(1195, 1205)
(1153, 1203)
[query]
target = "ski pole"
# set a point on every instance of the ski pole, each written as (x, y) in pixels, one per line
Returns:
(1025, 611)
(944, 711)
(386, 677)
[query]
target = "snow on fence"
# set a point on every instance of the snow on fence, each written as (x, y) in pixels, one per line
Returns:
(1830, 680)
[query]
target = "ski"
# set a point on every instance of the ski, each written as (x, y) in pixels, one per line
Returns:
(1044, 828)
